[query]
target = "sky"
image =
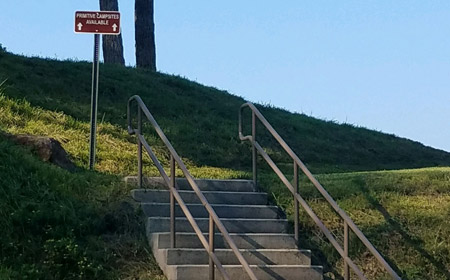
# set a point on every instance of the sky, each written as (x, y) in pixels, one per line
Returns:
(380, 64)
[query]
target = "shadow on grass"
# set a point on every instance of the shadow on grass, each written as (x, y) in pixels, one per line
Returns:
(318, 254)
(413, 241)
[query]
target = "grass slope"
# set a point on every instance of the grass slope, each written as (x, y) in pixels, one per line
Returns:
(58, 225)
(116, 150)
(202, 121)
(62, 225)
(404, 213)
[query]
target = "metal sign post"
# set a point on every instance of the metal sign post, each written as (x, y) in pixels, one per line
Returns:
(96, 22)
(94, 101)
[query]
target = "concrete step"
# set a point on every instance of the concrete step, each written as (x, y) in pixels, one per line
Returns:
(222, 210)
(236, 272)
(257, 229)
(227, 257)
(242, 240)
(190, 197)
(162, 224)
(203, 184)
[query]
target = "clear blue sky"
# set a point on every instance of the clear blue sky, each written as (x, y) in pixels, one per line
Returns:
(381, 64)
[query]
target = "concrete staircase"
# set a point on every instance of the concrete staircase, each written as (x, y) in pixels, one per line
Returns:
(258, 229)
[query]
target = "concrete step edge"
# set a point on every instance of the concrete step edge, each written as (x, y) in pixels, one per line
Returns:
(253, 265)
(232, 234)
(228, 257)
(196, 179)
(243, 241)
(186, 191)
(215, 204)
(222, 219)
(240, 250)
(204, 184)
(195, 272)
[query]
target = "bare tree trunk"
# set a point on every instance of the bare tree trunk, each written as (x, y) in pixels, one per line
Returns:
(112, 44)
(145, 34)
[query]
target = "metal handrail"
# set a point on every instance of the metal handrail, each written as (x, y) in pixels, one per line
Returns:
(348, 223)
(175, 196)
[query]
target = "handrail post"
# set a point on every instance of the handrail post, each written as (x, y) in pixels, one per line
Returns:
(346, 240)
(176, 198)
(298, 164)
(139, 147)
(254, 152)
(172, 203)
(211, 248)
(296, 208)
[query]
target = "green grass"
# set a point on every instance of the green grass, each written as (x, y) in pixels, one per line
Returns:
(404, 213)
(116, 150)
(201, 121)
(82, 225)
(58, 225)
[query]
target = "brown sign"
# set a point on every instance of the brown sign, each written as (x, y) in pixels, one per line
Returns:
(100, 22)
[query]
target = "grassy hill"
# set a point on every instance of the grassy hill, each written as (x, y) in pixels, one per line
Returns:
(404, 213)
(58, 225)
(202, 121)
(81, 225)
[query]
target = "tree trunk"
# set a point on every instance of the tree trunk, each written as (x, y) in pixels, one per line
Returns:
(112, 44)
(145, 34)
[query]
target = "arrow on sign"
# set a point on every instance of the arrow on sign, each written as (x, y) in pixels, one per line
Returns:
(79, 26)
(114, 27)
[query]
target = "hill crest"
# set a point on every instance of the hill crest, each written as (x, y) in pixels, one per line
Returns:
(201, 121)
